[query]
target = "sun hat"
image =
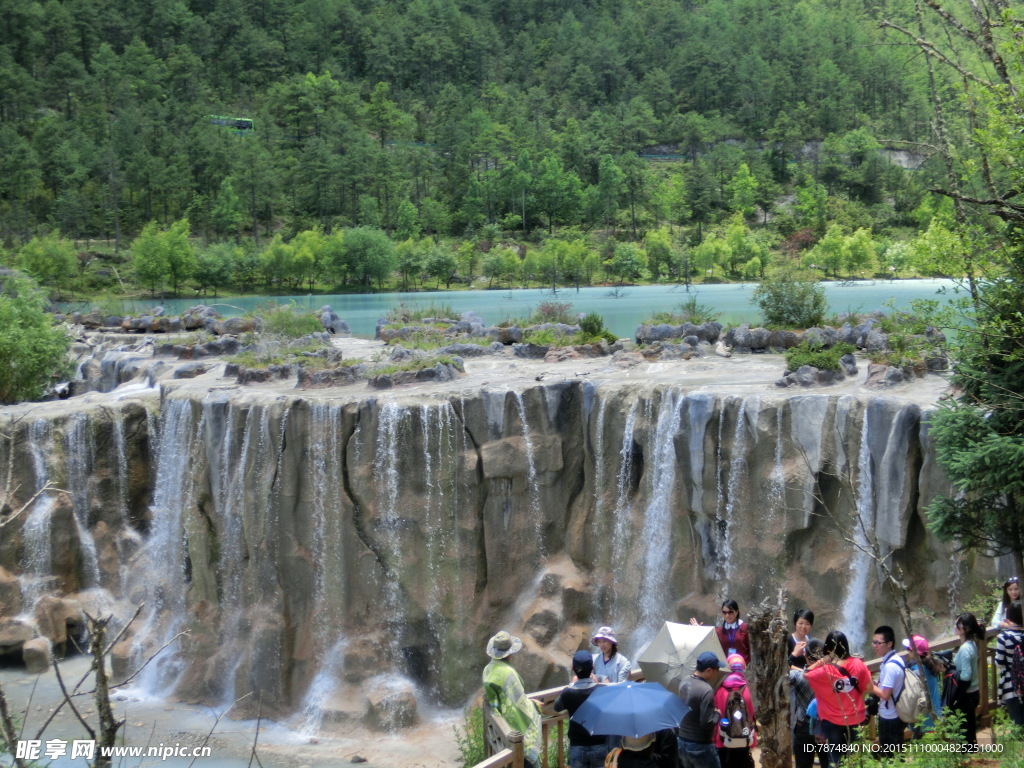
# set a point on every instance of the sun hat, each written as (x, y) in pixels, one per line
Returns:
(736, 662)
(708, 660)
(604, 633)
(502, 645)
(637, 744)
(920, 644)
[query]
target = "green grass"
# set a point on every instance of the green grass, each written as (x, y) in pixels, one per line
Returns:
(401, 315)
(823, 359)
(412, 365)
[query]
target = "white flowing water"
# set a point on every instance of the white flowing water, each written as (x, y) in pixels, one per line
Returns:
(322, 689)
(80, 453)
(657, 527)
(863, 526)
(161, 567)
(386, 479)
(622, 516)
(37, 530)
(531, 476)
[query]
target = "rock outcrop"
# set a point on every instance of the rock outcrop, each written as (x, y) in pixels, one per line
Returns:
(305, 537)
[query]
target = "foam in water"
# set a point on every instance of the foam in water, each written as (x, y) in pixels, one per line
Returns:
(322, 689)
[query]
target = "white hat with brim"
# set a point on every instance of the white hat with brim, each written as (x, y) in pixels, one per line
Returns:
(604, 633)
(503, 645)
(639, 743)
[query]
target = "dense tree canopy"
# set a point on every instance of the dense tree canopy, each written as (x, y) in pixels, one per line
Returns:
(468, 112)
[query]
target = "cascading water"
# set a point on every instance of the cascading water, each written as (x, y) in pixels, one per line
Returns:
(621, 517)
(855, 601)
(37, 528)
(731, 499)
(325, 471)
(386, 477)
(531, 475)
(161, 567)
(322, 689)
(80, 452)
(657, 528)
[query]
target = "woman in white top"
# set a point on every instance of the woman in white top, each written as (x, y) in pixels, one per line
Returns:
(1011, 592)
(610, 666)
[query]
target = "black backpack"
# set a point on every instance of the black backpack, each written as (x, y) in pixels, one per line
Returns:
(846, 683)
(951, 682)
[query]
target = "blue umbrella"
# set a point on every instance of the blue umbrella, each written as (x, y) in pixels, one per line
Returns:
(630, 709)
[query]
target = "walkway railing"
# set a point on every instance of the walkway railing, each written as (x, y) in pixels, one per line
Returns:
(505, 746)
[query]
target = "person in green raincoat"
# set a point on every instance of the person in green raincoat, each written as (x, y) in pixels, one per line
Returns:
(505, 693)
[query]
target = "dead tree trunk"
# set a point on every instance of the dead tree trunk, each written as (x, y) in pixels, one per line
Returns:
(770, 662)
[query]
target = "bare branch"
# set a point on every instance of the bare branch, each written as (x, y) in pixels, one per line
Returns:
(932, 50)
(145, 664)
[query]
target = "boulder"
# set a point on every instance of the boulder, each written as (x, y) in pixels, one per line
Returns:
(191, 370)
(331, 322)
(14, 633)
(199, 316)
(390, 705)
(234, 326)
(10, 593)
(36, 655)
(530, 351)
(543, 625)
(329, 377)
(58, 619)
(511, 335)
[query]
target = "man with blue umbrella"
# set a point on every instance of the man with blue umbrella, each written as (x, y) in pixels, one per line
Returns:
(697, 728)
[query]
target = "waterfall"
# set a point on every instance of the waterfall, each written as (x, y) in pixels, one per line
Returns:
(161, 568)
(386, 477)
(621, 517)
(657, 529)
(37, 528)
(737, 473)
(854, 604)
(531, 476)
(80, 453)
(700, 408)
(321, 690)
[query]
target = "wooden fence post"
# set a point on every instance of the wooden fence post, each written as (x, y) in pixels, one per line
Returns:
(515, 742)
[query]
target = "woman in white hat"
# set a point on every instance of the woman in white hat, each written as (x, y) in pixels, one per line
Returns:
(610, 666)
(506, 694)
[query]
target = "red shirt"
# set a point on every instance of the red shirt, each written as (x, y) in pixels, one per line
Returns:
(736, 639)
(840, 708)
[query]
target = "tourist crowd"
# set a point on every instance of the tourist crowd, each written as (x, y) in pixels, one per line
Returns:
(832, 693)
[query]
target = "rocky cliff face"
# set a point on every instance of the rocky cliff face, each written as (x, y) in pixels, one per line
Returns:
(310, 543)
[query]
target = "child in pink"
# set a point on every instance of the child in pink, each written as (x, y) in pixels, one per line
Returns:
(735, 756)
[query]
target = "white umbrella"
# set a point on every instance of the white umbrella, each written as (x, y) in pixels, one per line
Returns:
(673, 652)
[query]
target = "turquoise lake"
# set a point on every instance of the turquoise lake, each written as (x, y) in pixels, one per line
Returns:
(622, 310)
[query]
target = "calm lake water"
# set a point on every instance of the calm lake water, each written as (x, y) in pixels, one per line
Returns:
(622, 310)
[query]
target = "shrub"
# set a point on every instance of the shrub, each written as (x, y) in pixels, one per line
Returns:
(553, 312)
(690, 311)
(34, 349)
(592, 330)
(403, 315)
(287, 321)
(816, 356)
(789, 300)
(469, 737)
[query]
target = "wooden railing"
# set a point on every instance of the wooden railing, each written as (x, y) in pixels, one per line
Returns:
(505, 746)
